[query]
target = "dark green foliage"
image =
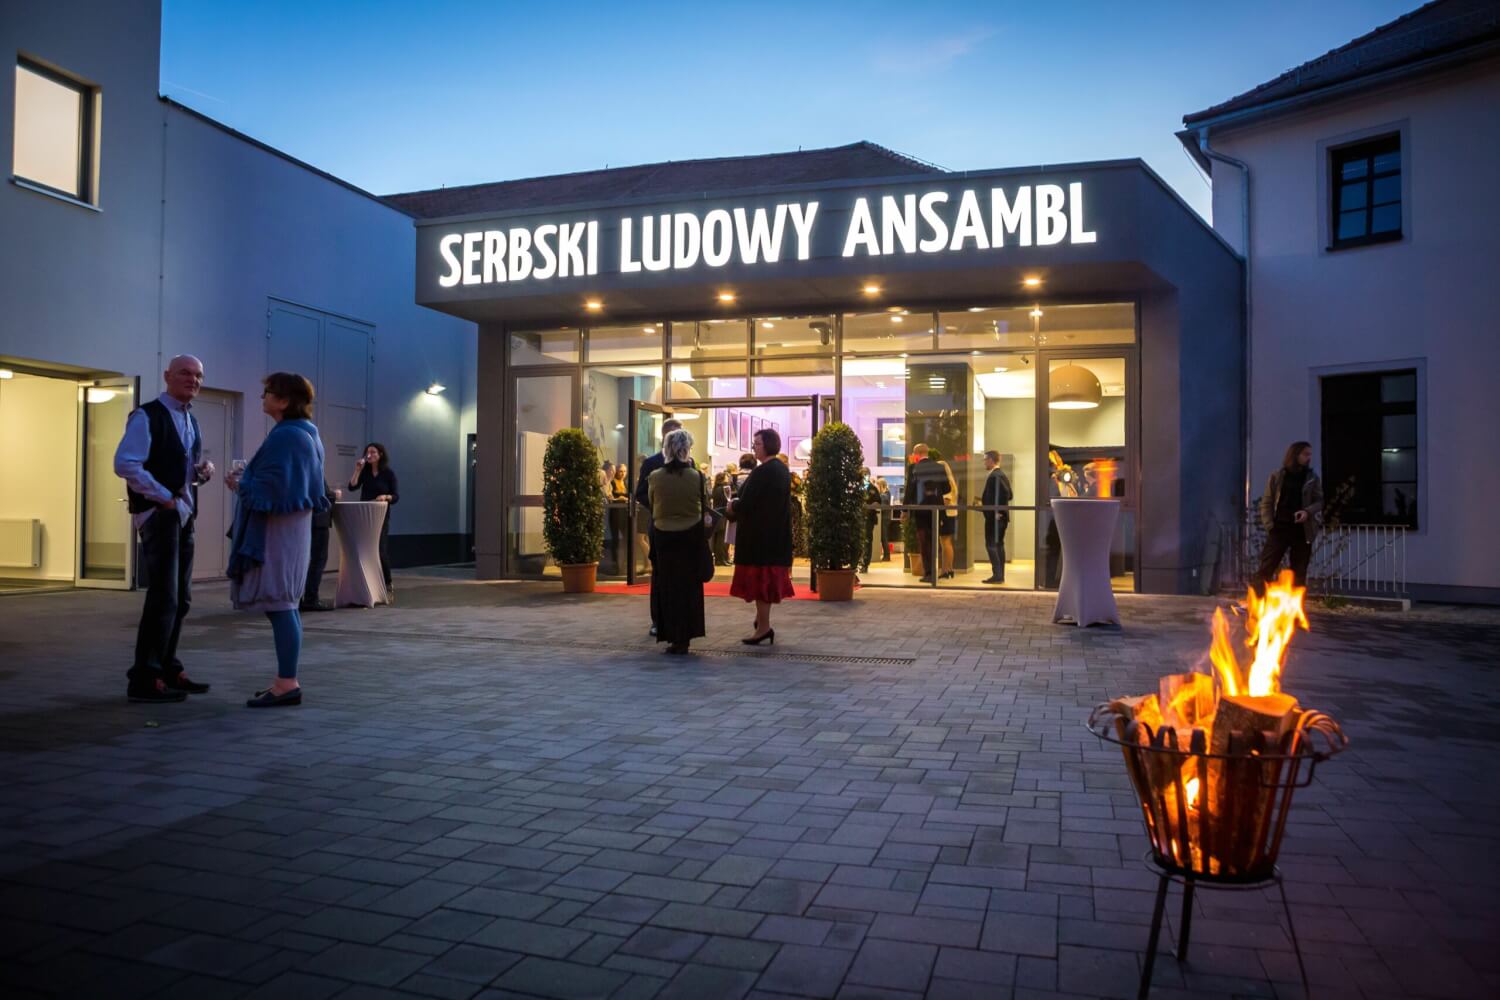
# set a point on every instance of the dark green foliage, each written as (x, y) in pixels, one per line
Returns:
(572, 500)
(836, 498)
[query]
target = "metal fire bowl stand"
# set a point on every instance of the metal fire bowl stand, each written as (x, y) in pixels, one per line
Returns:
(1227, 841)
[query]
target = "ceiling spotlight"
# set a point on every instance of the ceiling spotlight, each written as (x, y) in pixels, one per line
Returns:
(975, 353)
(649, 329)
(726, 297)
(767, 324)
(593, 305)
(619, 427)
(435, 388)
(898, 318)
(7, 373)
(903, 355)
(871, 289)
(1032, 282)
(976, 309)
(1001, 368)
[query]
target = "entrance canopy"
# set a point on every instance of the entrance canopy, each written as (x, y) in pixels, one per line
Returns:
(1108, 228)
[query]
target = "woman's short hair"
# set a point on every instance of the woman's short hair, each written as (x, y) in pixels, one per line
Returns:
(1289, 460)
(384, 458)
(296, 390)
(770, 439)
(747, 460)
(677, 446)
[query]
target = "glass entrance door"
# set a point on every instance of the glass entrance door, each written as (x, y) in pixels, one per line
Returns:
(542, 402)
(106, 539)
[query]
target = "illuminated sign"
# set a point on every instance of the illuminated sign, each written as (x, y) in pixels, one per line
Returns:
(929, 222)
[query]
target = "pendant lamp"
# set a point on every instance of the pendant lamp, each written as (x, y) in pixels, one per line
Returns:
(1073, 387)
(680, 390)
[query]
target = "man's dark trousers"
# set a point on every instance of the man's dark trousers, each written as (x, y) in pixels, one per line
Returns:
(994, 544)
(318, 559)
(1283, 538)
(167, 554)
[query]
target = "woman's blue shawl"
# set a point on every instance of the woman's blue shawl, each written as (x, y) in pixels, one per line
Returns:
(284, 476)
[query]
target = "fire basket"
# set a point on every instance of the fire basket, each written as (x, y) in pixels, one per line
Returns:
(1214, 766)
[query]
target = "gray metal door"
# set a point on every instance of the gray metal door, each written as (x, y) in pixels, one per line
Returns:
(215, 412)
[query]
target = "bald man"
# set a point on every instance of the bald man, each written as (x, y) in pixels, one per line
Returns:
(161, 460)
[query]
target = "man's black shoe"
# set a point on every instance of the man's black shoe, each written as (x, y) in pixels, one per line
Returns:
(994, 579)
(154, 692)
(184, 684)
(653, 630)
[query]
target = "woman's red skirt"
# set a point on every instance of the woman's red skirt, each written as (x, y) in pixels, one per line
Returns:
(772, 584)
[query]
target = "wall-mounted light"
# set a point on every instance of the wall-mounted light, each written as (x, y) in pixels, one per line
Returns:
(7, 373)
(436, 388)
(98, 395)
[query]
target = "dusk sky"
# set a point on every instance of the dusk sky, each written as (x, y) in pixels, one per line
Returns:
(397, 96)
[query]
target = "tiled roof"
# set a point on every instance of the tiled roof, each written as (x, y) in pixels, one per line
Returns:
(1439, 28)
(683, 177)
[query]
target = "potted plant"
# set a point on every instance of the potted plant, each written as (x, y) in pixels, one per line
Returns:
(573, 508)
(836, 509)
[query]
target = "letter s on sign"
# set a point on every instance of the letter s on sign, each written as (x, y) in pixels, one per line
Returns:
(446, 246)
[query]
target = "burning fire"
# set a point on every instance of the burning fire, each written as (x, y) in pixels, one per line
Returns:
(1191, 787)
(1270, 623)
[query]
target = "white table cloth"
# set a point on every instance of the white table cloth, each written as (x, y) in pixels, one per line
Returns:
(361, 582)
(1085, 528)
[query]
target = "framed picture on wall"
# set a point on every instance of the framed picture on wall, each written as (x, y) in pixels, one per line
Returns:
(775, 427)
(890, 433)
(732, 429)
(746, 432)
(756, 423)
(721, 428)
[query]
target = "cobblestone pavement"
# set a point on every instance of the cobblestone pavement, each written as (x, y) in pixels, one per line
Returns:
(494, 790)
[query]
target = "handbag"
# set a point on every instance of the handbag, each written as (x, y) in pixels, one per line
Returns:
(705, 551)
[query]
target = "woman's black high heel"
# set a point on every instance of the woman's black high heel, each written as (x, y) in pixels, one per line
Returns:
(770, 637)
(947, 576)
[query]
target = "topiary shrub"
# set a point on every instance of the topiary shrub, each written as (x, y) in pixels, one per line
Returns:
(572, 502)
(836, 499)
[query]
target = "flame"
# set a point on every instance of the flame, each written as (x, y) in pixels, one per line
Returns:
(1191, 787)
(1270, 623)
(1101, 474)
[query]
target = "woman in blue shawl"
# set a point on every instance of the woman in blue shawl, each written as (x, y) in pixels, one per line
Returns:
(277, 494)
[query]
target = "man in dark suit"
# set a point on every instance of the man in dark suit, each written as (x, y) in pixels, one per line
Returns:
(160, 457)
(926, 483)
(643, 496)
(997, 493)
(322, 527)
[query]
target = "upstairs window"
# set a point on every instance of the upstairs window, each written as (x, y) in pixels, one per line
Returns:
(1367, 193)
(54, 132)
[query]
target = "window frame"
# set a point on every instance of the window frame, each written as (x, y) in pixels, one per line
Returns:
(88, 99)
(1366, 149)
(1416, 368)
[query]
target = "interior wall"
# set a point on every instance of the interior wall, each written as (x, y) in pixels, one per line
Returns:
(39, 453)
(1102, 425)
(1018, 459)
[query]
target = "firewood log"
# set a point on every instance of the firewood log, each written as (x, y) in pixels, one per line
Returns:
(1243, 790)
(1185, 699)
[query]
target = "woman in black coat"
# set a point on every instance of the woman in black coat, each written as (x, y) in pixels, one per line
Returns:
(763, 536)
(376, 480)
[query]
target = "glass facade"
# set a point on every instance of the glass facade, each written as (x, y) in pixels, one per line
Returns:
(1019, 404)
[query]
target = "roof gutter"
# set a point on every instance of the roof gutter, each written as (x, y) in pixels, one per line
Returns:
(1206, 154)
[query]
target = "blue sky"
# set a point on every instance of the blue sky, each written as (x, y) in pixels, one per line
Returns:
(397, 96)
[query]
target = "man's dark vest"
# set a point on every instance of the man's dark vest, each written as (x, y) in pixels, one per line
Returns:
(167, 461)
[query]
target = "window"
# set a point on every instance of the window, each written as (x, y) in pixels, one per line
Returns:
(1370, 447)
(1367, 193)
(54, 132)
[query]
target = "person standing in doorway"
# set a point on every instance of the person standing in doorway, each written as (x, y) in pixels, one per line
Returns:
(720, 501)
(1290, 510)
(884, 489)
(160, 458)
(376, 480)
(926, 483)
(762, 510)
(643, 500)
(322, 527)
(997, 493)
(872, 519)
(276, 496)
(679, 518)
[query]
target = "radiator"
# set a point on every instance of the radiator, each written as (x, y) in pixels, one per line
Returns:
(20, 542)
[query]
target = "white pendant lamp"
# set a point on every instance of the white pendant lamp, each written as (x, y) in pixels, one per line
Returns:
(680, 390)
(1073, 387)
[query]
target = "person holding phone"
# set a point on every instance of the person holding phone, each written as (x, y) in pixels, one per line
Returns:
(376, 480)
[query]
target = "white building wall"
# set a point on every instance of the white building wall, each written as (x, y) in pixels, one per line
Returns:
(1431, 300)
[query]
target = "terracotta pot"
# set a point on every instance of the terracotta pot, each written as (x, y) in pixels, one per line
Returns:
(835, 584)
(578, 578)
(917, 567)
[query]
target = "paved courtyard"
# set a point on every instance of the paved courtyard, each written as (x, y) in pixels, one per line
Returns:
(494, 790)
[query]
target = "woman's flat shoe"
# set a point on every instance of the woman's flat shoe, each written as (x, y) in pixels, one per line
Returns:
(770, 637)
(269, 699)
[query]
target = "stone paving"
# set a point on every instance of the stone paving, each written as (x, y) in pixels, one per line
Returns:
(495, 790)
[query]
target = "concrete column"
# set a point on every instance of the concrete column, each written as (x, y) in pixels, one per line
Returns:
(489, 525)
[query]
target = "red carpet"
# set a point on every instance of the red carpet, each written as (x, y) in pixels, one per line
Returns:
(714, 588)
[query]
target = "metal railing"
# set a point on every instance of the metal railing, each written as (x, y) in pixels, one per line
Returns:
(1347, 559)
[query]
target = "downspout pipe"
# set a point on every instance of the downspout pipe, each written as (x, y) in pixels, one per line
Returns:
(1242, 530)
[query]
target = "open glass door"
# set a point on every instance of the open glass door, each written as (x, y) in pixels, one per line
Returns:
(645, 439)
(106, 539)
(544, 402)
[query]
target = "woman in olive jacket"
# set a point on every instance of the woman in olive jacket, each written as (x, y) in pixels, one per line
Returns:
(763, 537)
(679, 514)
(1290, 511)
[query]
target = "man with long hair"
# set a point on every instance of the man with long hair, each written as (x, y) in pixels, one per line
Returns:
(1290, 510)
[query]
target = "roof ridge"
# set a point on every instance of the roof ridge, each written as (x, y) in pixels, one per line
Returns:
(663, 163)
